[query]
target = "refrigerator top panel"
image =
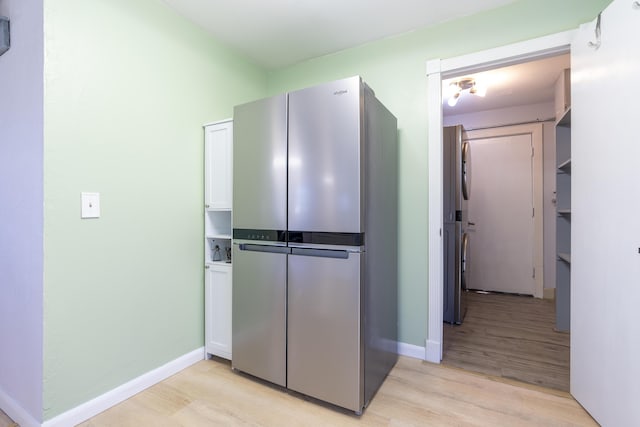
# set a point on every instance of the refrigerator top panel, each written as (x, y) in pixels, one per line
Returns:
(260, 169)
(325, 163)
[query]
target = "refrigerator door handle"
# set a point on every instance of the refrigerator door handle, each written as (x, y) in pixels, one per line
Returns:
(323, 247)
(322, 253)
(466, 170)
(263, 248)
(464, 260)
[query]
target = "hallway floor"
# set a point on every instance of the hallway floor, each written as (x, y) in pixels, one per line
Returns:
(512, 337)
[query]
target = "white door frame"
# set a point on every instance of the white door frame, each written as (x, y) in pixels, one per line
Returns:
(437, 69)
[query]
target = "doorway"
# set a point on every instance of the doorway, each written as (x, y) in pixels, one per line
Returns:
(506, 333)
(437, 70)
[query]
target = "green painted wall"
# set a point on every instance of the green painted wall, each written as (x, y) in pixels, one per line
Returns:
(128, 85)
(396, 69)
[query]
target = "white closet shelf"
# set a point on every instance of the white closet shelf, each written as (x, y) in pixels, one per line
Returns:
(223, 263)
(219, 236)
(565, 257)
(565, 166)
(565, 120)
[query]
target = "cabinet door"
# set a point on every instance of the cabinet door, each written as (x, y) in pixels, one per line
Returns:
(218, 166)
(217, 285)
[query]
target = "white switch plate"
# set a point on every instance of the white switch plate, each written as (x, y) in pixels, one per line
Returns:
(90, 205)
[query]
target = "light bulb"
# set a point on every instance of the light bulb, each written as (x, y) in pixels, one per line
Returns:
(451, 90)
(478, 90)
(453, 100)
(481, 91)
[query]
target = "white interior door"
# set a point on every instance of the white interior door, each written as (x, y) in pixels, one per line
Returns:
(500, 212)
(605, 238)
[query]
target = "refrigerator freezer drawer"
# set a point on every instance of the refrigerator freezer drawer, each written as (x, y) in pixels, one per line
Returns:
(324, 346)
(259, 312)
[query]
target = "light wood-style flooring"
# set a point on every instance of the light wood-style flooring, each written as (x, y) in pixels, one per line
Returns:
(415, 393)
(510, 336)
(5, 421)
(504, 338)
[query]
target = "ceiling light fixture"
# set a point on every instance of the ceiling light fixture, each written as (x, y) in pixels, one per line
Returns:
(470, 85)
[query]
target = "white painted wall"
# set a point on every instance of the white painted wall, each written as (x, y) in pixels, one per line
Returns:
(527, 114)
(21, 213)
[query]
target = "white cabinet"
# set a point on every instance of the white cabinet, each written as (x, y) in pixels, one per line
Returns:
(217, 285)
(217, 239)
(217, 173)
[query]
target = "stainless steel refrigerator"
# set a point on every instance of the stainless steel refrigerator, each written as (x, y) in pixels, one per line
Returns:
(456, 186)
(315, 241)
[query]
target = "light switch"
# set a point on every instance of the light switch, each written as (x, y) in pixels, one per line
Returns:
(90, 205)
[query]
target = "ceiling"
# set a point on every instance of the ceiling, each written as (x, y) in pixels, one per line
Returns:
(278, 33)
(522, 84)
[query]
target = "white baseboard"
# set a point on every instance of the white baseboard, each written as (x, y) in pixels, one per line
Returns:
(111, 398)
(549, 293)
(433, 352)
(16, 412)
(411, 350)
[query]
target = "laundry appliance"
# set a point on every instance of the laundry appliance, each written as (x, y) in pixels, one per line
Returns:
(456, 157)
